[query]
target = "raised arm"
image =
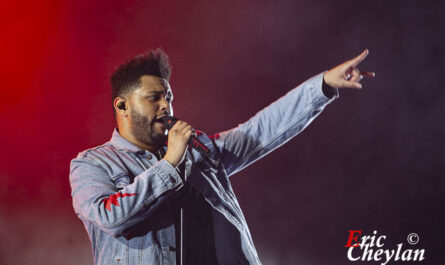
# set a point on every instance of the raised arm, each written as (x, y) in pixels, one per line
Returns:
(285, 118)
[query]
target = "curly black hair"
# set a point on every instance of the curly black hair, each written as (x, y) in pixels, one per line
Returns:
(127, 76)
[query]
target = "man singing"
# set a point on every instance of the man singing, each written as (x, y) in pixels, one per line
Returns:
(148, 198)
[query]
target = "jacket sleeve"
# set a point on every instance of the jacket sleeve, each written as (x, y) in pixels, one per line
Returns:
(97, 200)
(273, 126)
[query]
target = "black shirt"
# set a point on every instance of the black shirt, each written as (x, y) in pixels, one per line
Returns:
(198, 234)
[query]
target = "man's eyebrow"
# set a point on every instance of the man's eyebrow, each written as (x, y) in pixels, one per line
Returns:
(155, 92)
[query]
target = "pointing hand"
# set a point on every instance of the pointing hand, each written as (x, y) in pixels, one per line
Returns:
(347, 75)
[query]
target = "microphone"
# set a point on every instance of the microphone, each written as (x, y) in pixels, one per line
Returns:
(194, 143)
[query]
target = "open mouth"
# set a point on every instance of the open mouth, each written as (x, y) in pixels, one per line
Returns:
(159, 120)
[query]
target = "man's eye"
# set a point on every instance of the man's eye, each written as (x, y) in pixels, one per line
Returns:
(154, 98)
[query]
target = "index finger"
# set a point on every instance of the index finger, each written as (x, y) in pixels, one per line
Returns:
(356, 60)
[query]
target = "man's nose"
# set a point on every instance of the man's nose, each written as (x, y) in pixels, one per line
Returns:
(164, 105)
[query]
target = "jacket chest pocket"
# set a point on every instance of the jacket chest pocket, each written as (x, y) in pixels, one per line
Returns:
(121, 181)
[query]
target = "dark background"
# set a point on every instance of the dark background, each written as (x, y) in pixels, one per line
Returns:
(373, 160)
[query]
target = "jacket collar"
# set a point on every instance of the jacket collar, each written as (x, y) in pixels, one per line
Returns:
(121, 143)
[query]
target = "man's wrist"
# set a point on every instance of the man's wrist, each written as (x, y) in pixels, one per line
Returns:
(170, 162)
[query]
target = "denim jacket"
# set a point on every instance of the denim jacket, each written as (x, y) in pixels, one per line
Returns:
(122, 193)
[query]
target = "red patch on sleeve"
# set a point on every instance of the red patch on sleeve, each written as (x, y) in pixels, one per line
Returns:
(214, 137)
(113, 199)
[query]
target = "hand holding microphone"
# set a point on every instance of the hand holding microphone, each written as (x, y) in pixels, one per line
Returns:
(180, 135)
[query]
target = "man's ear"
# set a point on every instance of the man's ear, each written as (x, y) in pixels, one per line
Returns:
(120, 106)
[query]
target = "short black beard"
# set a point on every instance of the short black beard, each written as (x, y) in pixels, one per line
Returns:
(142, 129)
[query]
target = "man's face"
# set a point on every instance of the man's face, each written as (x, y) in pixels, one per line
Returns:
(149, 104)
